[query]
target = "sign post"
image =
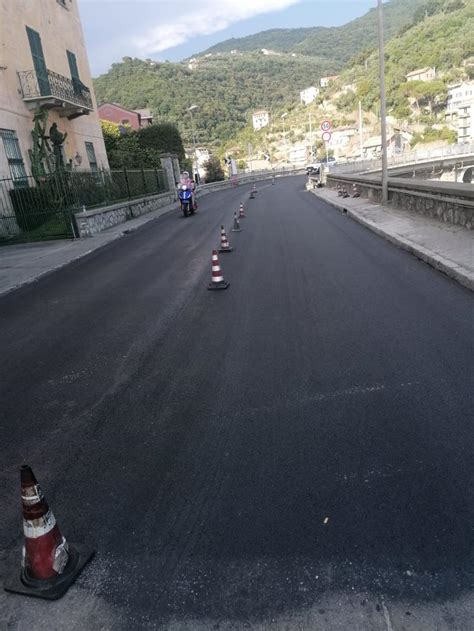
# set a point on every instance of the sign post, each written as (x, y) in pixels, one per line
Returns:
(326, 127)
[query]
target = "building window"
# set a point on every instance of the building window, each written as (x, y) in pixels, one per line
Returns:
(13, 154)
(91, 156)
(125, 121)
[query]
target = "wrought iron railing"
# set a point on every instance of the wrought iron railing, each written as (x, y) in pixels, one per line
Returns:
(52, 84)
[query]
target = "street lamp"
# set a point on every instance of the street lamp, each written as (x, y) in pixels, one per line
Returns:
(192, 109)
(383, 104)
(283, 116)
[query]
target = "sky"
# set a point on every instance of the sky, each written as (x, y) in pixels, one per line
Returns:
(176, 29)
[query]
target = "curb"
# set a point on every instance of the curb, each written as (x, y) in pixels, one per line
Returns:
(437, 261)
(120, 235)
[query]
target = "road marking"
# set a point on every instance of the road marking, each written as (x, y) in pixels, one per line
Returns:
(386, 616)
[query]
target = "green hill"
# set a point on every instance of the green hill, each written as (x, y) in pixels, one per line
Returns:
(338, 44)
(228, 87)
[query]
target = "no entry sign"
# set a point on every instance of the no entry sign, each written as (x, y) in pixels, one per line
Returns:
(326, 136)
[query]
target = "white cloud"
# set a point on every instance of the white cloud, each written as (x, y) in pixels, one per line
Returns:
(202, 17)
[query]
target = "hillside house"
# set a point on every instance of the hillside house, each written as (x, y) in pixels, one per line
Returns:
(325, 81)
(422, 74)
(396, 143)
(309, 95)
(260, 119)
(460, 110)
(115, 113)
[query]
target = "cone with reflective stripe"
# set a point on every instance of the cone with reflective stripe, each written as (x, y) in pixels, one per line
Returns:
(345, 194)
(225, 245)
(236, 227)
(355, 191)
(217, 279)
(50, 565)
(241, 211)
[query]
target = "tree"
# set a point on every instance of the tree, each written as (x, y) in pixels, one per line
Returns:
(163, 138)
(214, 171)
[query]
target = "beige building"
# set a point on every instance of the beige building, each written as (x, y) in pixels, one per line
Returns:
(43, 61)
(422, 74)
(460, 110)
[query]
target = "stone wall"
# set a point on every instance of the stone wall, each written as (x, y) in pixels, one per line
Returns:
(446, 201)
(94, 221)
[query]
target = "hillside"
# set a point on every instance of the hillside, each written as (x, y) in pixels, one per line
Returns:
(440, 37)
(338, 44)
(227, 87)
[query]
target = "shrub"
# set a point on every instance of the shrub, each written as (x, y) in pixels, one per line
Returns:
(214, 171)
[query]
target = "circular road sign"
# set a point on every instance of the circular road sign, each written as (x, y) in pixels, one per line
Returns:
(327, 136)
(326, 126)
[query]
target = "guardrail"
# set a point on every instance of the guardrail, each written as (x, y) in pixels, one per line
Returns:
(405, 159)
(244, 178)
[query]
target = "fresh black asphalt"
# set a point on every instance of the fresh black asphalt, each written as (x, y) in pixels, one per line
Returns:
(236, 455)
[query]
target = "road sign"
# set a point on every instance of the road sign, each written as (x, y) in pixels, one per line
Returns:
(327, 136)
(326, 126)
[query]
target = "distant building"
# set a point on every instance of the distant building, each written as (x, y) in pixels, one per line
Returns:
(460, 110)
(115, 113)
(423, 74)
(325, 81)
(396, 143)
(309, 95)
(260, 119)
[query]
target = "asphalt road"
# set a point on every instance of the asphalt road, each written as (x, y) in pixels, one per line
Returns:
(293, 453)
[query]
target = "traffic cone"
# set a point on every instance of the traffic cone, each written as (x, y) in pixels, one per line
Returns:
(254, 188)
(345, 194)
(252, 196)
(339, 190)
(225, 245)
(217, 279)
(241, 212)
(50, 565)
(236, 227)
(355, 191)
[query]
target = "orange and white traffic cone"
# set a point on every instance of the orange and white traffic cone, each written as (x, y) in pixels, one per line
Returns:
(345, 194)
(217, 279)
(236, 227)
(355, 191)
(241, 212)
(225, 245)
(50, 565)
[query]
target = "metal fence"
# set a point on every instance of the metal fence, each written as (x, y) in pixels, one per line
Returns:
(34, 209)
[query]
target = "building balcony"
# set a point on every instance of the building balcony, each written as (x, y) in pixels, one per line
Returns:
(69, 97)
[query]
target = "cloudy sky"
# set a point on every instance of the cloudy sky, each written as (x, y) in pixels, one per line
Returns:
(176, 29)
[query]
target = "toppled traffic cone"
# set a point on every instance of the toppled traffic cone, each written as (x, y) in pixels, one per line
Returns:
(236, 227)
(252, 196)
(355, 191)
(225, 245)
(241, 211)
(217, 280)
(50, 565)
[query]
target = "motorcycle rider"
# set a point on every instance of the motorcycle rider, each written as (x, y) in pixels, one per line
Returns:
(188, 182)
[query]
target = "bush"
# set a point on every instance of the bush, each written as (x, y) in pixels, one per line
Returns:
(214, 171)
(163, 138)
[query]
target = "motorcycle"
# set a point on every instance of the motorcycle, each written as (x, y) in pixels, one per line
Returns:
(186, 201)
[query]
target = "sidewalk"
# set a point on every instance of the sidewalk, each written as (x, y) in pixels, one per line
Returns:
(25, 263)
(446, 247)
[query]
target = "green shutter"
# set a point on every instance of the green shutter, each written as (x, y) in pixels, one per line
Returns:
(38, 61)
(71, 57)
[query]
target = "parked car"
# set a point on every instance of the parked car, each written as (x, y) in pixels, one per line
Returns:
(313, 169)
(329, 161)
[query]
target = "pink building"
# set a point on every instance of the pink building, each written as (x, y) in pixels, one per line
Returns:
(120, 115)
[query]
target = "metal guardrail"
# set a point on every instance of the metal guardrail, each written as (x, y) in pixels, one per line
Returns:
(243, 178)
(54, 85)
(405, 159)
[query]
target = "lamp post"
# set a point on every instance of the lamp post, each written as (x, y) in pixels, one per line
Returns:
(383, 105)
(283, 116)
(192, 109)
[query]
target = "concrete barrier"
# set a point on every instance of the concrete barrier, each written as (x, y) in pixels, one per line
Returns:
(447, 201)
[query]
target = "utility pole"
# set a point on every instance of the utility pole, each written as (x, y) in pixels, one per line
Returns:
(361, 132)
(192, 109)
(311, 136)
(383, 106)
